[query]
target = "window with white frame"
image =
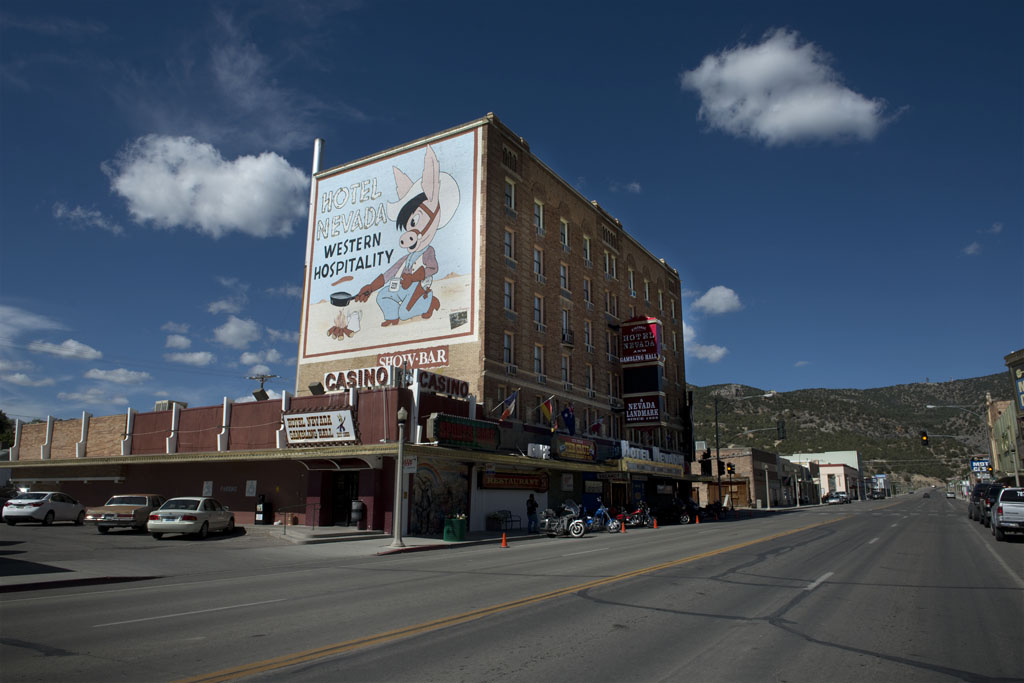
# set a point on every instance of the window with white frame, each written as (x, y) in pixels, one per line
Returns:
(632, 284)
(538, 359)
(538, 216)
(507, 354)
(586, 290)
(661, 301)
(510, 245)
(566, 369)
(586, 248)
(587, 338)
(563, 232)
(538, 309)
(538, 261)
(563, 276)
(509, 295)
(647, 291)
(510, 194)
(589, 377)
(565, 321)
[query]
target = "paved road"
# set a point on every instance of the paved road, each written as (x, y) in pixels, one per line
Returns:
(888, 590)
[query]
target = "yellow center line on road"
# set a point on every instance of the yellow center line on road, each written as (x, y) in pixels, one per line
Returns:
(417, 629)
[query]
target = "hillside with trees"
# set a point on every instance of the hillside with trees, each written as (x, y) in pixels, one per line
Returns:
(884, 424)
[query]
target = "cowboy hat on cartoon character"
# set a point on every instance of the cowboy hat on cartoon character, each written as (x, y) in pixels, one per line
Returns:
(423, 208)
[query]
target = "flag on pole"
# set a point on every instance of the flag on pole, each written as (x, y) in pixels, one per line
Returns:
(569, 419)
(595, 428)
(546, 412)
(508, 405)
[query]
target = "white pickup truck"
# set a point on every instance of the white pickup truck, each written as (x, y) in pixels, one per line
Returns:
(1008, 513)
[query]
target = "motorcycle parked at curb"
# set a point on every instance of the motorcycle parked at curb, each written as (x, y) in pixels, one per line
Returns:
(640, 517)
(566, 522)
(601, 520)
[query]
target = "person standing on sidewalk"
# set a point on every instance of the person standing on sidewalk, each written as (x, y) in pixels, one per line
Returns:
(533, 523)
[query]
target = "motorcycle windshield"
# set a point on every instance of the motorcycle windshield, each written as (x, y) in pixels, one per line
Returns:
(571, 507)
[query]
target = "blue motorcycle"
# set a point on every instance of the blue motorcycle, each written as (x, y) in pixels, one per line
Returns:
(601, 519)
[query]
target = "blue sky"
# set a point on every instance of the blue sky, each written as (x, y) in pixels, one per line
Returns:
(839, 185)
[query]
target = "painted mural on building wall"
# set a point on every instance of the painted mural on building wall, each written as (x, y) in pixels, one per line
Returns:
(392, 258)
(440, 489)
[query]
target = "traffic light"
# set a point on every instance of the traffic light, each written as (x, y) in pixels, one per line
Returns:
(721, 468)
(780, 426)
(730, 468)
(924, 438)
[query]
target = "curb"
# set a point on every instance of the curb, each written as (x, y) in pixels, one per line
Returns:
(72, 583)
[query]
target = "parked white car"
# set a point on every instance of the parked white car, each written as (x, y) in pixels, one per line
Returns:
(193, 515)
(43, 506)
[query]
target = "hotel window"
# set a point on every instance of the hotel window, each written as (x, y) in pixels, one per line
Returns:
(586, 290)
(563, 232)
(587, 338)
(510, 245)
(589, 378)
(506, 350)
(661, 301)
(565, 321)
(538, 309)
(566, 369)
(538, 217)
(647, 291)
(538, 261)
(538, 359)
(510, 195)
(632, 283)
(615, 305)
(509, 295)
(563, 276)
(586, 249)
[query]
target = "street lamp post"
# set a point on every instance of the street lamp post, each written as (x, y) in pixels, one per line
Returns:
(396, 515)
(718, 456)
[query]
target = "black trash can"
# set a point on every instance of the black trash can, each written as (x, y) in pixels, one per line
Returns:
(264, 511)
(358, 512)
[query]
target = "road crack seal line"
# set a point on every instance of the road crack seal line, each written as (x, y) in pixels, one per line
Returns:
(454, 620)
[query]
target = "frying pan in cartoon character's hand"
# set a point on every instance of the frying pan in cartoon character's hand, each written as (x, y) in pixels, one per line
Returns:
(341, 298)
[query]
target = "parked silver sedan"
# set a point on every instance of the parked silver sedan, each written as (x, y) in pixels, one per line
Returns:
(192, 515)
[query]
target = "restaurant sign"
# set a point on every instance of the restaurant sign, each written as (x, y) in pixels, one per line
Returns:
(305, 429)
(575, 448)
(462, 432)
(514, 480)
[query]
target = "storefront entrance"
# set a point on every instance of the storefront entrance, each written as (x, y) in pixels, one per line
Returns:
(344, 489)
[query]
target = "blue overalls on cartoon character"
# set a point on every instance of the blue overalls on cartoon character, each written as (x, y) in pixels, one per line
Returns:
(423, 208)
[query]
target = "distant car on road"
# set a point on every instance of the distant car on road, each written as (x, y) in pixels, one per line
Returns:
(125, 510)
(197, 516)
(1008, 513)
(950, 494)
(43, 506)
(926, 495)
(835, 498)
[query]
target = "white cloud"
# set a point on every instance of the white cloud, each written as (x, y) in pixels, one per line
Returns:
(229, 305)
(179, 182)
(23, 380)
(717, 300)
(630, 187)
(289, 291)
(89, 218)
(284, 335)
(178, 341)
(249, 398)
(259, 369)
(7, 365)
(66, 349)
(179, 328)
(780, 92)
(15, 321)
(267, 356)
(801, 363)
(196, 358)
(711, 352)
(93, 396)
(237, 333)
(118, 376)
(994, 230)
(972, 249)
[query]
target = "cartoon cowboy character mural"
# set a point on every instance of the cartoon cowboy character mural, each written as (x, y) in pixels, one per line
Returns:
(423, 208)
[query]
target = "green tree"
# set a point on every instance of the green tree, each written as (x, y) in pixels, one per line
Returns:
(6, 431)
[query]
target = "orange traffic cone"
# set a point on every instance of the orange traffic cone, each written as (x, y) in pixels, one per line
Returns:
(697, 519)
(655, 523)
(504, 540)
(622, 527)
